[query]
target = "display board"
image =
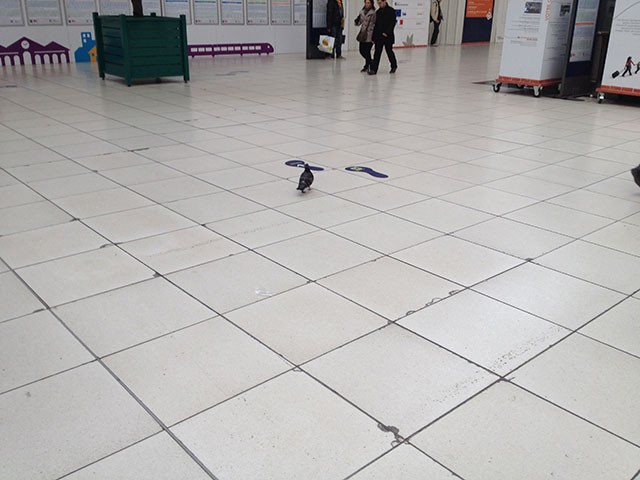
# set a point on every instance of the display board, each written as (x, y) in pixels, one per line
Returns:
(151, 6)
(43, 12)
(79, 12)
(115, 7)
(412, 28)
(10, 13)
(280, 12)
(621, 71)
(205, 12)
(299, 12)
(535, 42)
(232, 12)
(175, 8)
(478, 21)
(257, 12)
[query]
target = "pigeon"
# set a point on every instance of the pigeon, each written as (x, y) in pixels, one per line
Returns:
(634, 171)
(306, 179)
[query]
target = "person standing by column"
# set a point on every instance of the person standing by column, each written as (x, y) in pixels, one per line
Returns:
(435, 18)
(383, 36)
(367, 21)
(335, 24)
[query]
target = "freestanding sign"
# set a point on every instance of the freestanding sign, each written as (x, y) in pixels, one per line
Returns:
(535, 43)
(621, 71)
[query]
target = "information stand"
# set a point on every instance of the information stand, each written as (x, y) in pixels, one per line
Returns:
(535, 44)
(621, 73)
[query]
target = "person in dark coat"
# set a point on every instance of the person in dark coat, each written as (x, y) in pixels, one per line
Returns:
(383, 36)
(335, 24)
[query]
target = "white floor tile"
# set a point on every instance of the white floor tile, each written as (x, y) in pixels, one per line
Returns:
(46, 171)
(404, 462)
(70, 278)
(496, 336)
(456, 260)
(48, 243)
(551, 295)
(420, 380)
(606, 267)
(214, 207)
(181, 249)
(306, 322)
(619, 236)
(146, 173)
(412, 289)
(384, 233)
(86, 424)
(559, 219)
(529, 187)
(186, 372)
(156, 458)
(288, 428)
(506, 431)
(381, 197)
(326, 211)
(34, 347)
(74, 185)
(18, 194)
(139, 223)
(232, 178)
(588, 369)
(276, 194)
(618, 327)
(318, 254)
(513, 238)
(107, 322)
(488, 200)
(430, 184)
(92, 204)
(597, 204)
(30, 216)
(201, 164)
(173, 189)
(443, 216)
(261, 228)
(236, 281)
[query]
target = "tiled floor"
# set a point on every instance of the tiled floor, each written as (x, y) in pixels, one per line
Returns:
(172, 308)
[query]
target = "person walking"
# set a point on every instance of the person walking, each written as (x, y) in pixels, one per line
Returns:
(366, 20)
(383, 36)
(627, 66)
(435, 18)
(335, 24)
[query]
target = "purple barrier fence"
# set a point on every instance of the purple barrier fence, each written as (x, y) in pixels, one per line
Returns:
(230, 49)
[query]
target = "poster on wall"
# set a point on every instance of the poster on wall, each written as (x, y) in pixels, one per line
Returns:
(478, 21)
(319, 14)
(205, 12)
(622, 66)
(413, 22)
(151, 6)
(257, 12)
(43, 12)
(584, 31)
(175, 8)
(10, 13)
(535, 42)
(115, 7)
(299, 12)
(280, 12)
(79, 12)
(232, 12)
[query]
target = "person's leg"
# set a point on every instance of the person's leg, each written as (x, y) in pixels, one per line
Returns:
(368, 46)
(365, 55)
(376, 58)
(637, 67)
(338, 44)
(388, 46)
(436, 30)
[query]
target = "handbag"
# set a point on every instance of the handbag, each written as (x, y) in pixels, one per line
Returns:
(362, 36)
(326, 43)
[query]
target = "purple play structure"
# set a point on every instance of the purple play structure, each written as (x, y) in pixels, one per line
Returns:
(230, 49)
(15, 53)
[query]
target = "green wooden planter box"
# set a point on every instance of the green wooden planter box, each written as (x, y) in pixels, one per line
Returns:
(141, 47)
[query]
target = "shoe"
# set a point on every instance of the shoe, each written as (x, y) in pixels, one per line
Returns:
(393, 70)
(364, 69)
(636, 175)
(371, 72)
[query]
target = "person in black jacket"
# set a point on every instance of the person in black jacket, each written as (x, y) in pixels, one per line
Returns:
(335, 24)
(383, 36)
